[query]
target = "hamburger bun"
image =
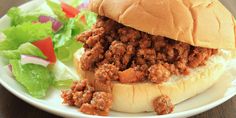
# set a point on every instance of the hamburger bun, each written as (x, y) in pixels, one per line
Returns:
(138, 97)
(204, 23)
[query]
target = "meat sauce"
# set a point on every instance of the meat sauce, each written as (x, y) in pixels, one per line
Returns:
(109, 42)
(115, 52)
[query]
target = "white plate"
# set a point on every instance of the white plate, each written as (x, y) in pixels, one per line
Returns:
(219, 93)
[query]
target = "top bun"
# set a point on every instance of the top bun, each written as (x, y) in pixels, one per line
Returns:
(204, 23)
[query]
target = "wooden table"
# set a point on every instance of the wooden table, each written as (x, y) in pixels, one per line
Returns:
(12, 107)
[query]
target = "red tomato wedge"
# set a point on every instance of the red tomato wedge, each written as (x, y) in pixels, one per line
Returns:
(70, 11)
(46, 46)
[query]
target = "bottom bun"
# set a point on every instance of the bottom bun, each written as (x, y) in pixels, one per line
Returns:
(138, 97)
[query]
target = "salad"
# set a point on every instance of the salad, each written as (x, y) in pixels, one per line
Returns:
(39, 44)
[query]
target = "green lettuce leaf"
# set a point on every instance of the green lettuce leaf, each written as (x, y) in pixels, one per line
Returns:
(26, 32)
(19, 17)
(66, 52)
(64, 42)
(78, 25)
(10, 54)
(57, 10)
(76, 3)
(26, 49)
(91, 18)
(63, 84)
(30, 49)
(36, 79)
(64, 75)
(64, 35)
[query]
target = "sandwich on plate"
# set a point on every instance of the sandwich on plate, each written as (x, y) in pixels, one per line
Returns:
(149, 55)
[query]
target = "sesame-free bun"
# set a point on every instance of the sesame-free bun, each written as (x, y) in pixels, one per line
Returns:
(204, 23)
(138, 97)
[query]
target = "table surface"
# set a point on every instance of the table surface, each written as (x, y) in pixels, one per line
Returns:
(11, 106)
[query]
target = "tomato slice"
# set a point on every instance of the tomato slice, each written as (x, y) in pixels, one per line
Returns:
(70, 11)
(46, 46)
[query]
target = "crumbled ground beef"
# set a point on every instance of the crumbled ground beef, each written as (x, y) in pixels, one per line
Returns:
(79, 86)
(102, 101)
(91, 110)
(109, 42)
(78, 90)
(128, 76)
(199, 56)
(83, 96)
(92, 56)
(68, 98)
(103, 77)
(102, 86)
(158, 73)
(115, 52)
(99, 105)
(107, 72)
(162, 105)
(79, 94)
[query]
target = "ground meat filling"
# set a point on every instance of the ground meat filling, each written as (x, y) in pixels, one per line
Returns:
(89, 101)
(158, 73)
(103, 77)
(130, 50)
(115, 52)
(107, 72)
(162, 105)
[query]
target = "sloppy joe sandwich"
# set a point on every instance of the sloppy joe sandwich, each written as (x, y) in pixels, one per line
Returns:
(149, 55)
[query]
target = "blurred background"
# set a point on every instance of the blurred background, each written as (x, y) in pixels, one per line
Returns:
(230, 4)
(6, 4)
